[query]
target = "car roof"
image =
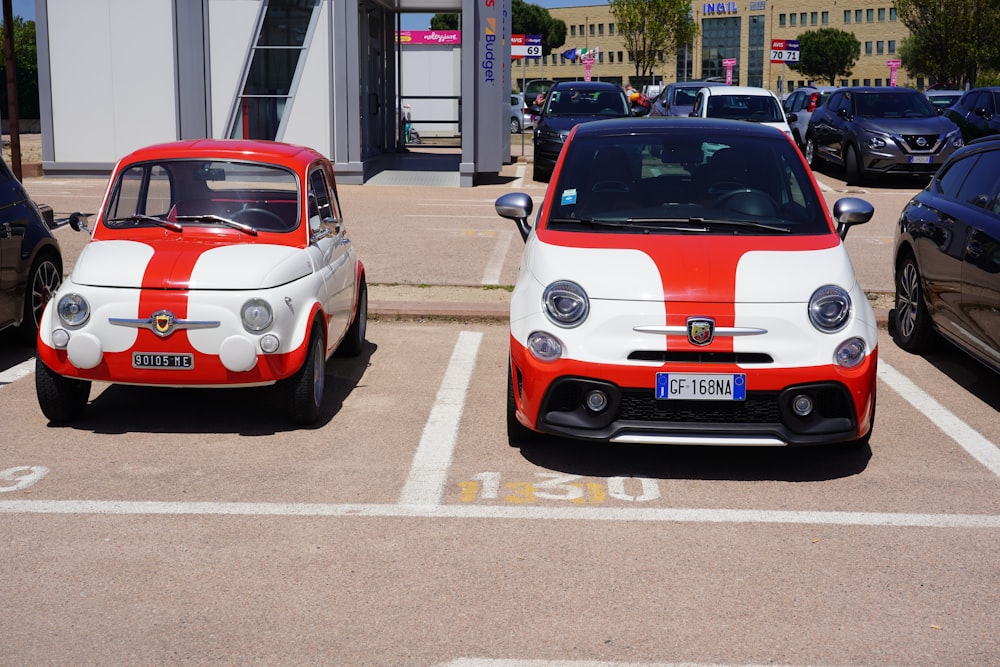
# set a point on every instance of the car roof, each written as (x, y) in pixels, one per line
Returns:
(877, 89)
(823, 89)
(585, 85)
(714, 127)
(275, 152)
(739, 90)
(695, 84)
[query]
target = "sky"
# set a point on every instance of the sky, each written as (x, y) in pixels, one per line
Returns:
(423, 21)
(24, 8)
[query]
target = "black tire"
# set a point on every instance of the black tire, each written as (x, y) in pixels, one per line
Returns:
(61, 399)
(43, 281)
(852, 167)
(304, 390)
(862, 442)
(515, 125)
(912, 329)
(517, 433)
(809, 152)
(354, 340)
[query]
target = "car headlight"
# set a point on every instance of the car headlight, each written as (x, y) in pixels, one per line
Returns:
(829, 308)
(256, 315)
(955, 138)
(73, 310)
(850, 353)
(565, 303)
(544, 346)
(876, 142)
(550, 135)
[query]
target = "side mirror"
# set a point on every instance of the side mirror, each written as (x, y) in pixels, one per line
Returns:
(516, 206)
(851, 211)
(792, 117)
(78, 222)
(843, 113)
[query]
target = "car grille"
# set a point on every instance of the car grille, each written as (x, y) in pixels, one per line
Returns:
(913, 141)
(758, 408)
(702, 357)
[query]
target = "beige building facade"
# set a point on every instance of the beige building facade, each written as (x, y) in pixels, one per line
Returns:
(740, 30)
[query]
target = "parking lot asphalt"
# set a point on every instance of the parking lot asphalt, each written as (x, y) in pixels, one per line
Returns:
(424, 246)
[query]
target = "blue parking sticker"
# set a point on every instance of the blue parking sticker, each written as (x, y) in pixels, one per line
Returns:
(569, 197)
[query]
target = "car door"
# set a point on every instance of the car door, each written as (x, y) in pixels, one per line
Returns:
(981, 266)
(14, 220)
(330, 236)
(828, 126)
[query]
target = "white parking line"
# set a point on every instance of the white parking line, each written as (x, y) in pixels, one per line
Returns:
(429, 470)
(493, 662)
(968, 438)
(517, 513)
(491, 274)
(15, 373)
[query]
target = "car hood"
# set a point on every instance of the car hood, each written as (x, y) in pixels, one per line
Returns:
(714, 269)
(170, 264)
(935, 125)
(567, 123)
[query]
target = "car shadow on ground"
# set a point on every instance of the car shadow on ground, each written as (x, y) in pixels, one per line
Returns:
(797, 464)
(968, 373)
(255, 411)
(888, 182)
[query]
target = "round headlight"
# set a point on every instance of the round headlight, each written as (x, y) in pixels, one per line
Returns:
(544, 346)
(73, 310)
(256, 315)
(850, 353)
(829, 308)
(566, 303)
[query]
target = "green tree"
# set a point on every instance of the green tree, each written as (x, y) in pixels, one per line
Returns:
(827, 53)
(525, 19)
(649, 28)
(26, 64)
(949, 41)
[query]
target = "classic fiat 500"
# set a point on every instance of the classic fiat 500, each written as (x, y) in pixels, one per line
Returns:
(212, 263)
(683, 283)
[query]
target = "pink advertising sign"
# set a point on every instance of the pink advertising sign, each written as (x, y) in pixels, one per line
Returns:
(429, 36)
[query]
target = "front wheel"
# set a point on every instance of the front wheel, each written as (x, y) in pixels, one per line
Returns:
(809, 152)
(852, 166)
(304, 390)
(354, 340)
(43, 281)
(541, 174)
(912, 331)
(61, 399)
(515, 127)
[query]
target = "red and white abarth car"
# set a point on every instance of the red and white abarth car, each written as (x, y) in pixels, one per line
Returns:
(212, 263)
(683, 283)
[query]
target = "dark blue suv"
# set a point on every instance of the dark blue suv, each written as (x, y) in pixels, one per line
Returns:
(567, 104)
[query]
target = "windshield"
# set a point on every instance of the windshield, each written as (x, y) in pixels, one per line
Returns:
(893, 105)
(674, 182)
(583, 102)
(758, 108)
(241, 195)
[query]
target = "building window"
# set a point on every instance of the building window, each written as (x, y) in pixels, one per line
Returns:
(843, 83)
(825, 18)
(591, 29)
(620, 58)
(781, 20)
(892, 13)
(878, 82)
(600, 29)
(802, 18)
(274, 60)
(856, 82)
(857, 16)
(892, 46)
(847, 16)
(868, 50)
(881, 14)
(866, 82)
(791, 19)
(581, 30)
(611, 28)
(880, 47)
(869, 15)
(813, 18)
(572, 31)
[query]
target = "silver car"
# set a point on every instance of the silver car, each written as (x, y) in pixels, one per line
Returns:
(802, 102)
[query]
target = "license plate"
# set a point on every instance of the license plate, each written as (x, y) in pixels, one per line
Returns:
(701, 386)
(181, 361)
(920, 159)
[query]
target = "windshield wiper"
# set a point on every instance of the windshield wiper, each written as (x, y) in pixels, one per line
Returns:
(246, 229)
(138, 217)
(697, 224)
(588, 221)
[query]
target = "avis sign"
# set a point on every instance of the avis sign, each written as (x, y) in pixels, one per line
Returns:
(784, 50)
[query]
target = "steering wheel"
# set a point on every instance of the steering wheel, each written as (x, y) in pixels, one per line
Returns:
(720, 188)
(748, 201)
(253, 212)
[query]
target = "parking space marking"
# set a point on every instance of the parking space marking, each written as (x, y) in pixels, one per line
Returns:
(15, 373)
(427, 510)
(491, 274)
(429, 469)
(501, 662)
(968, 438)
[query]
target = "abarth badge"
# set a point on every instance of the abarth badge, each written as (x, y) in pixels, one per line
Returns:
(700, 330)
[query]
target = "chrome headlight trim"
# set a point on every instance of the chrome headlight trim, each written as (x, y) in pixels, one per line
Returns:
(850, 353)
(544, 346)
(256, 315)
(830, 308)
(565, 304)
(73, 309)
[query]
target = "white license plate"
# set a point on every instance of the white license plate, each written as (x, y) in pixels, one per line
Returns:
(920, 159)
(180, 361)
(701, 386)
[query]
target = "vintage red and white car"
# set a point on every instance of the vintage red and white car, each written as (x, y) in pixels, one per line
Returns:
(683, 283)
(212, 263)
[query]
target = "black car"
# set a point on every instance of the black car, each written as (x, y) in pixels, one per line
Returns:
(947, 258)
(885, 130)
(977, 112)
(677, 99)
(566, 105)
(31, 265)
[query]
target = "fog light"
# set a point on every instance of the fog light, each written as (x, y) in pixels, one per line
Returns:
(269, 343)
(850, 353)
(60, 337)
(596, 400)
(802, 405)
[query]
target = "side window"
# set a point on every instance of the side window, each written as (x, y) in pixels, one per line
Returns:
(322, 208)
(142, 190)
(980, 187)
(950, 182)
(699, 102)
